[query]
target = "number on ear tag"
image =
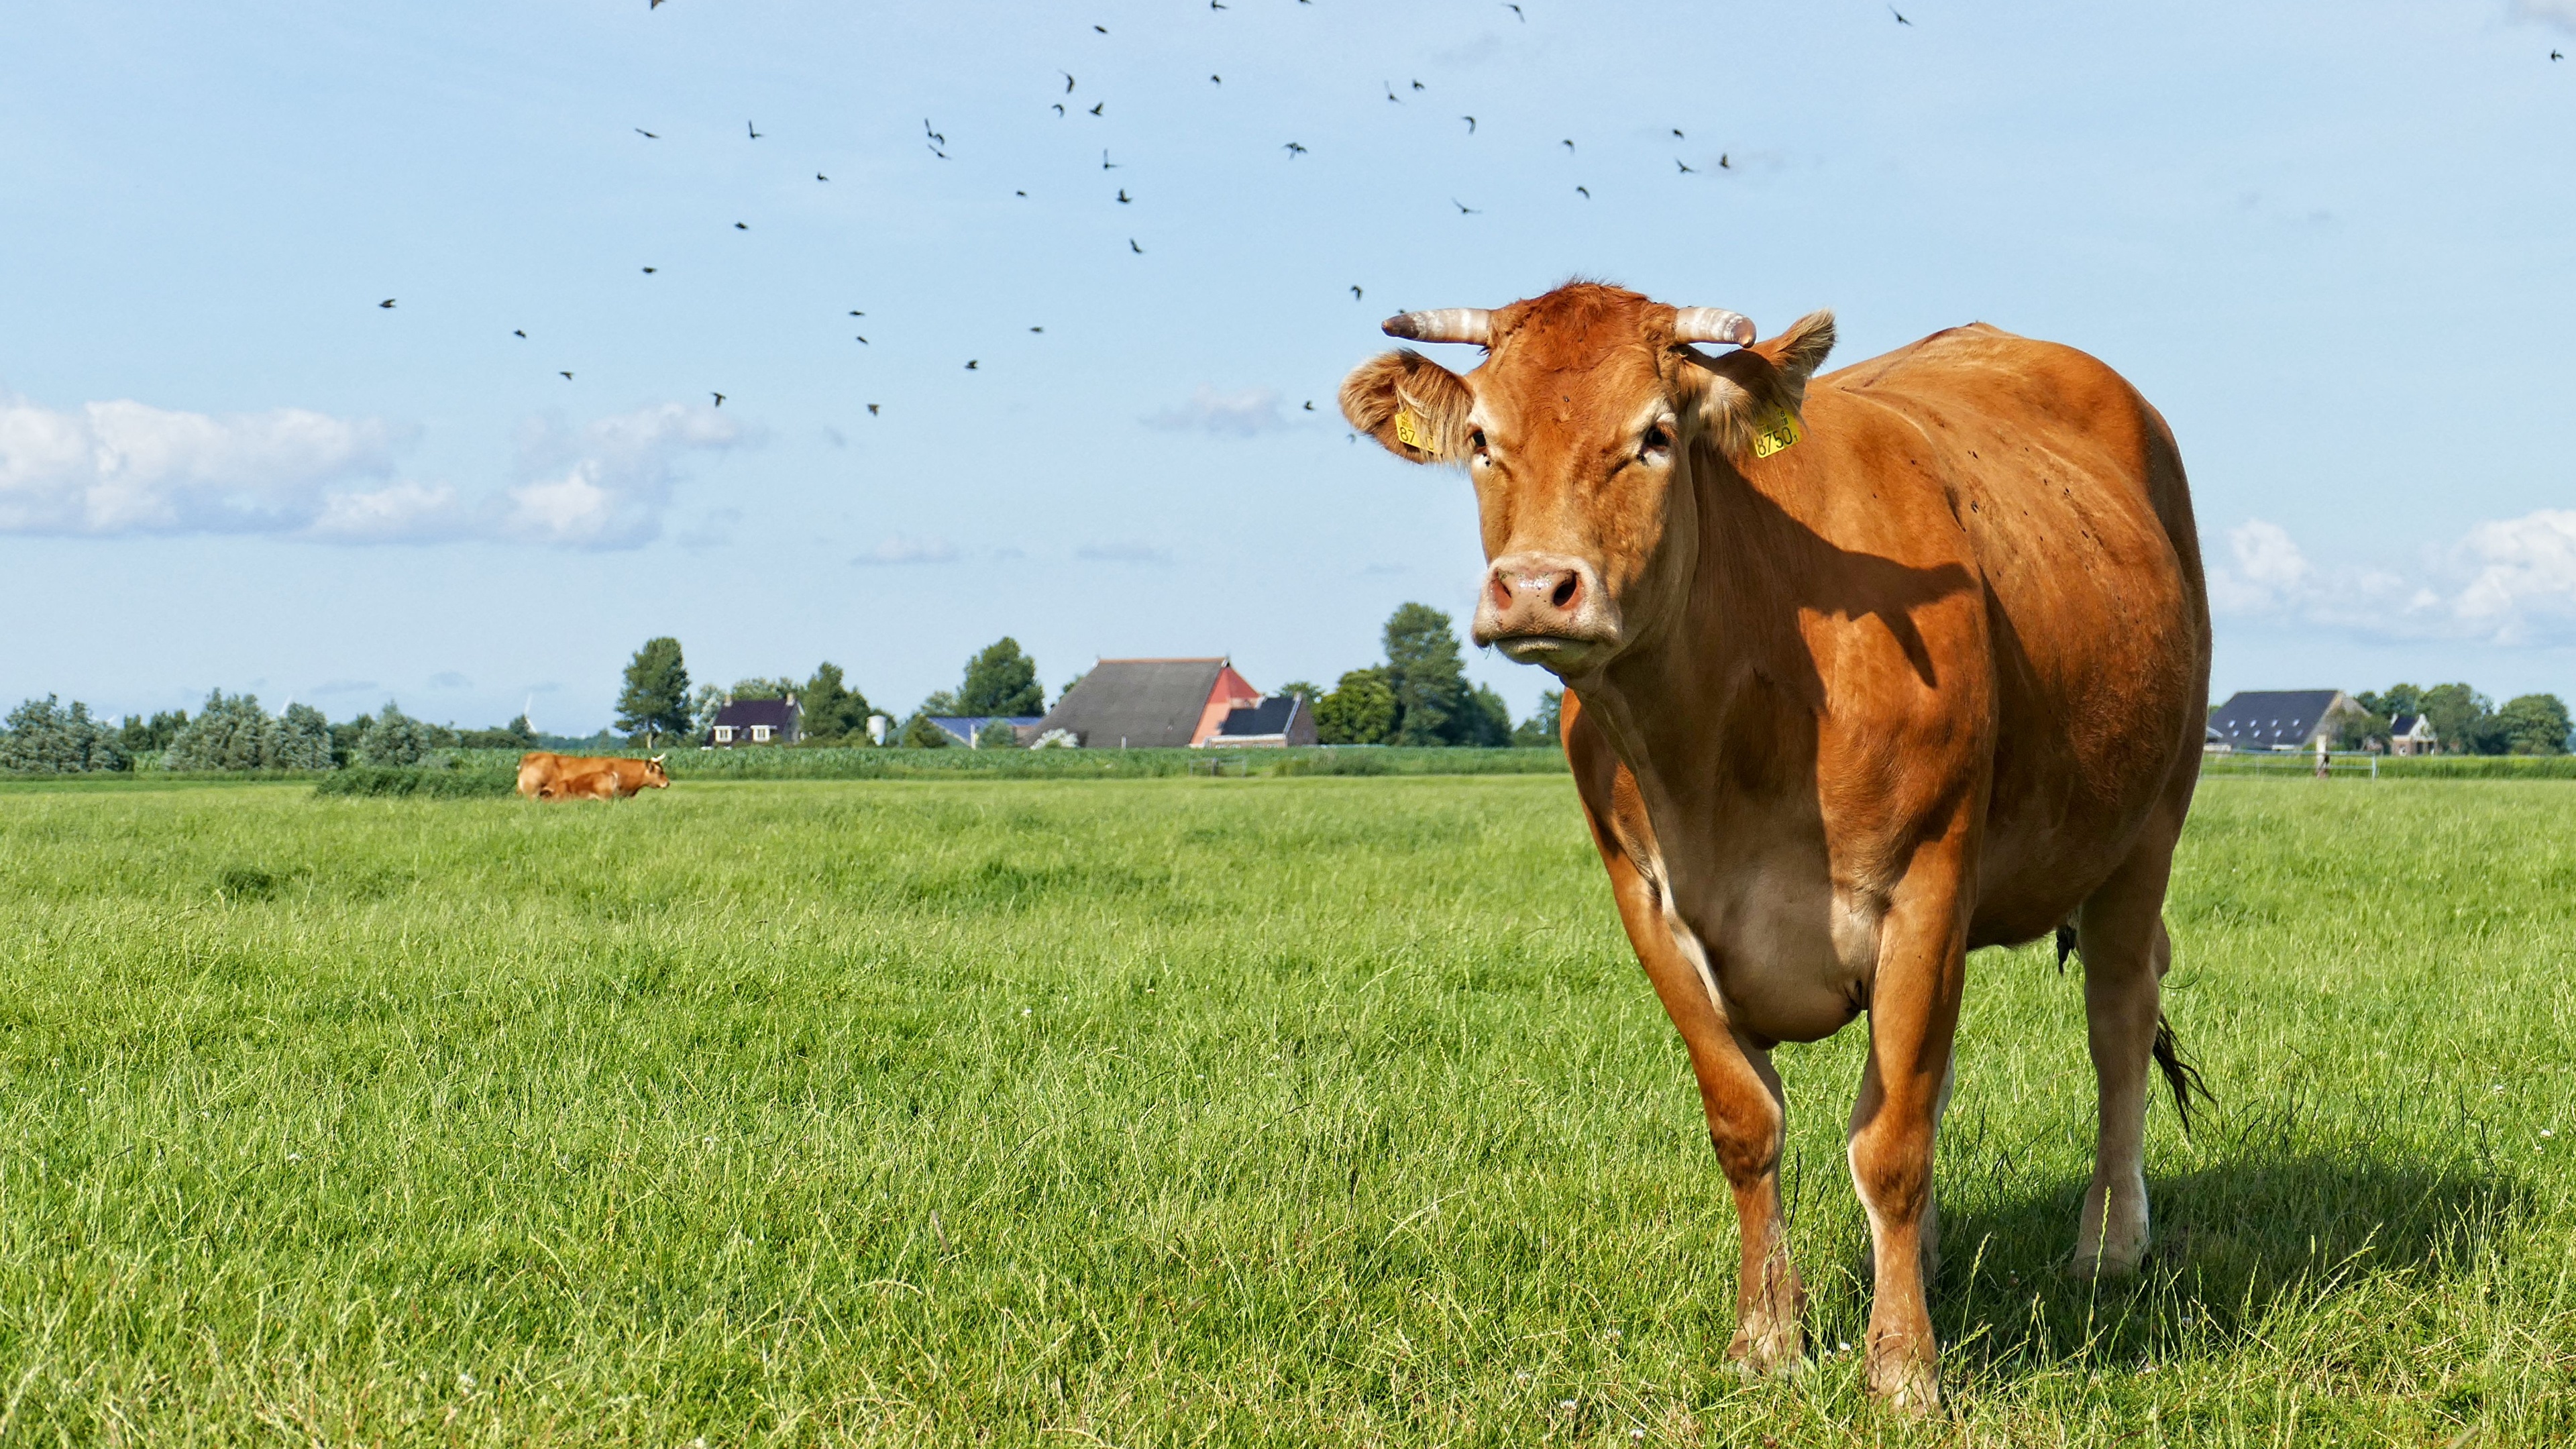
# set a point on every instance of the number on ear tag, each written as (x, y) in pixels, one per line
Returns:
(1411, 431)
(1779, 432)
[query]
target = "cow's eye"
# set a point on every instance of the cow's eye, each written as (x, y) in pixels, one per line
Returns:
(1657, 440)
(1476, 440)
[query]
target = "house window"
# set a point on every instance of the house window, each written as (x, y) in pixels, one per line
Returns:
(724, 734)
(759, 734)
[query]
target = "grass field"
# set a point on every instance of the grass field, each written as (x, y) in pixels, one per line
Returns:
(1163, 1112)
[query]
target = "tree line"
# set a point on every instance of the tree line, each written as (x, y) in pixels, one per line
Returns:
(2464, 721)
(231, 732)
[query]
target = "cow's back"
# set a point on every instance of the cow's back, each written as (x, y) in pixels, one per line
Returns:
(2072, 502)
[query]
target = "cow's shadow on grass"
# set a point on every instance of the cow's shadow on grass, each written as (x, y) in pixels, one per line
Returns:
(2236, 1245)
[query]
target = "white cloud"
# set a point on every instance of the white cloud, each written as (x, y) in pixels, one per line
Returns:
(1243, 414)
(2560, 13)
(608, 485)
(1123, 551)
(2508, 581)
(901, 549)
(126, 467)
(117, 468)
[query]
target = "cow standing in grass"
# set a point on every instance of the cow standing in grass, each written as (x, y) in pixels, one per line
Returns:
(1863, 672)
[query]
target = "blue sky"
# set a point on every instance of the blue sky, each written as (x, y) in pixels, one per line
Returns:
(2331, 242)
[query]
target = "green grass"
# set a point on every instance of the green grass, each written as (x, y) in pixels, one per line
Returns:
(1190, 1111)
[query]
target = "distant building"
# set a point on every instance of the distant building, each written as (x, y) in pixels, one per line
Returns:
(1280, 720)
(2412, 734)
(2279, 719)
(1143, 704)
(966, 729)
(754, 722)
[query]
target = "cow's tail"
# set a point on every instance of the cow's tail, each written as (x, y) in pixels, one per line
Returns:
(2180, 1074)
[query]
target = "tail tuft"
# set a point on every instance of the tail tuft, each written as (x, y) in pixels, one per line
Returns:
(2065, 944)
(2183, 1077)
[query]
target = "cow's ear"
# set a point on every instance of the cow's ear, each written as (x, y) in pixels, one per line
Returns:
(1413, 406)
(1751, 401)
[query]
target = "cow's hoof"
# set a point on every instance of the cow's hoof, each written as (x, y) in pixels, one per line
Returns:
(1909, 1383)
(1768, 1348)
(2107, 1263)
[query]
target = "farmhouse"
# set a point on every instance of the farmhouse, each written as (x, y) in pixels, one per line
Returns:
(2279, 719)
(2412, 734)
(1279, 721)
(1139, 704)
(754, 722)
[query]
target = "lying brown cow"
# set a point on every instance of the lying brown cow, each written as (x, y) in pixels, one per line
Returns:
(588, 777)
(1861, 674)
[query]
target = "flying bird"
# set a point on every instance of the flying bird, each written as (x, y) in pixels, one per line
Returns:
(647, 135)
(1568, 145)
(1131, 246)
(1355, 293)
(567, 377)
(1213, 5)
(648, 271)
(518, 332)
(1310, 405)
(970, 364)
(1677, 133)
(719, 397)
(1686, 171)
(1463, 208)
(1723, 164)
(1390, 93)
(387, 304)
(1216, 80)
(1059, 108)
(1471, 124)
(1019, 193)
(1068, 81)
(1899, 14)
(1295, 150)
(934, 135)
(656, 5)
(2554, 55)
(872, 410)
(865, 342)
(738, 226)
(1105, 163)
(1123, 197)
(1103, 29)
(819, 176)
(1516, 10)
(1587, 192)
(935, 151)
(1037, 329)
(1095, 110)
(754, 130)
(1417, 85)
(858, 314)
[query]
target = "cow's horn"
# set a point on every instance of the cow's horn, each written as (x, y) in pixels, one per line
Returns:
(1712, 324)
(1447, 324)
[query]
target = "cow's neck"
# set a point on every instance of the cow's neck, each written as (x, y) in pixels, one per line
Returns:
(1722, 688)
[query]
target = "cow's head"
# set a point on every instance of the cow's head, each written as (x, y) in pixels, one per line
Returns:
(1583, 431)
(654, 775)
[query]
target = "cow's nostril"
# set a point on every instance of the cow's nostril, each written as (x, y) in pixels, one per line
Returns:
(1501, 591)
(1566, 588)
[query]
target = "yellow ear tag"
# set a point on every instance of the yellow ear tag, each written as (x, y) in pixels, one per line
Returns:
(1411, 431)
(1779, 432)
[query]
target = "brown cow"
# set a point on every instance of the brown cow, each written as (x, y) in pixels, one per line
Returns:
(1861, 674)
(537, 769)
(577, 777)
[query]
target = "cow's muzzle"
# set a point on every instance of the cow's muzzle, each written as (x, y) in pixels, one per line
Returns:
(1546, 609)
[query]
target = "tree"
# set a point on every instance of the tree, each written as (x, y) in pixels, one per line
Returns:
(778, 688)
(1543, 726)
(299, 739)
(1488, 720)
(1359, 711)
(1001, 680)
(1299, 686)
(997, 734)
(148, 739)
(2359, 729)
(832, 710)
(2455, 711)
(2399, 699)
(2533, 724)
(703, 707)
(516, 735)
(43, 738)
(346, 738)
(655, 701)
(920, 734)
(1423, 669)
(394, 739)
(230, 733)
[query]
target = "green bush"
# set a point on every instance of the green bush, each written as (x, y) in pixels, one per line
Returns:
(441, 782)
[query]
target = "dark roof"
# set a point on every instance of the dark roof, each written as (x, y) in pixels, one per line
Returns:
(1142, 703)
(1270, 717)
(778, 714)
(2403, 723)
(2262, 719)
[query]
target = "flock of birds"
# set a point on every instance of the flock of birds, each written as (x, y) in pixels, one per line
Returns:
(1065, 107)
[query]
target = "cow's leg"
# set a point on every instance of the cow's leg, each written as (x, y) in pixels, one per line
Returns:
(1913, 1023)
(1738, 1090)
(2120, 933)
